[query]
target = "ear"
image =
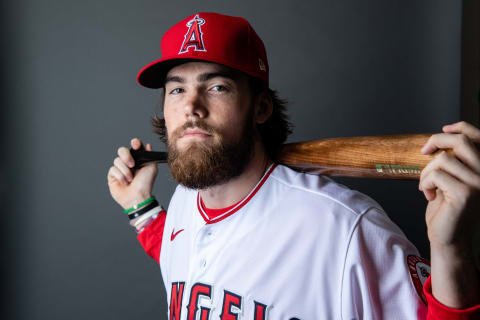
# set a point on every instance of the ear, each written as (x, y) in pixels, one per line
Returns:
(263, 107)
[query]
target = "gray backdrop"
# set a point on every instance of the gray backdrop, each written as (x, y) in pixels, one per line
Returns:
(69, 83)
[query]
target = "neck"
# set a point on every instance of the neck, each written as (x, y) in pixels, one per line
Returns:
(234, 190)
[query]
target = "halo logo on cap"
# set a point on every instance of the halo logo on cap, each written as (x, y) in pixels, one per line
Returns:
(194, 36)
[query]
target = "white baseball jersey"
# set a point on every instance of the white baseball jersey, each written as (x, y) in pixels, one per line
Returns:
(299, 246)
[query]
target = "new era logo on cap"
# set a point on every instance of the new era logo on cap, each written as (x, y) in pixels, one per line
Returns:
(261, 65)
(213, 37)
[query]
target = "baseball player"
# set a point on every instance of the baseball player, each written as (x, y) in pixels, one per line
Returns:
(247, 238)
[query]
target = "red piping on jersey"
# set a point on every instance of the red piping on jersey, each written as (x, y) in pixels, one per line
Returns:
(239, 205)
(213, 213)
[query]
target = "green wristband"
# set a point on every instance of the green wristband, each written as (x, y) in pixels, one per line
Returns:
(141, 204)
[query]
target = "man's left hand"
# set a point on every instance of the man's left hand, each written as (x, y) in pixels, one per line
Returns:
(451, 184)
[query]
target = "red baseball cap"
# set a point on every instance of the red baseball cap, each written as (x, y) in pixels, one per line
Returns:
(213, 37)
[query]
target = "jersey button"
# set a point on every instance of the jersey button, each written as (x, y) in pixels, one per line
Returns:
(207, 235)
(203, 263)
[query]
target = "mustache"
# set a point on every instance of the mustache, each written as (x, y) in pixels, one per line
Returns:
(192, 125)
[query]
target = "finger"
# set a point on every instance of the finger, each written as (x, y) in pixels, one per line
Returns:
(114, 175)
(148, 147)
(136, 143)
(464, 127)
(432, 143)
(453, 167)
(126, 157)
(123, 169)
(430, 194)
(462, 147)
(449, 185)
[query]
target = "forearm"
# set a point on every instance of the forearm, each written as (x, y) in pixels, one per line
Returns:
(455, 277)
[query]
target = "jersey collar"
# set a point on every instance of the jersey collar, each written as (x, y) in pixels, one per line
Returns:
(239, 204)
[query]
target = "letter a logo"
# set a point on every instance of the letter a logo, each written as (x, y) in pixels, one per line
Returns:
(194, 36)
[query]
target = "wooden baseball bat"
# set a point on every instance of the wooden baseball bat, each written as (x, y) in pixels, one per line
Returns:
(390, 157)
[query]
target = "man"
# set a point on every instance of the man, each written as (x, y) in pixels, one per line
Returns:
(247, 238)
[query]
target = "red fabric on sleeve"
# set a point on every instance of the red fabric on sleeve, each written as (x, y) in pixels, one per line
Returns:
(151, 237)
(438, 311)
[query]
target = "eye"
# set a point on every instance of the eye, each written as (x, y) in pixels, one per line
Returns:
(176, 91)
(219, 88)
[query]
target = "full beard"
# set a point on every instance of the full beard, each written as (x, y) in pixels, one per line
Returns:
(201, 165)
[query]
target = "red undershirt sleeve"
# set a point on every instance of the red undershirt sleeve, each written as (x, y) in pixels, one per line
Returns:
(438, 311)
(151, 237)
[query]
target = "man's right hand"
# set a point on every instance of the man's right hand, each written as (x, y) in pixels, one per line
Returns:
(129, 187)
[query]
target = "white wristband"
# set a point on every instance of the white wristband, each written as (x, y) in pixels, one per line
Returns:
(153, 213)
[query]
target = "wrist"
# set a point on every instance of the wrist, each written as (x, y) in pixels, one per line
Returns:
(454, 276)
(143, 221)
(455, 252)
(136, 200)
(451, 261)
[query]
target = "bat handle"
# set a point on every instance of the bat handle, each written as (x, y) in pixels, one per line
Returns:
(143, 157)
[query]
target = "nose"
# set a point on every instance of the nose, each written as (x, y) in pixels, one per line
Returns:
(195, 106)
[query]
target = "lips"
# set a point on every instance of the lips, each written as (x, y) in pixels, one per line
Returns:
(194, 132)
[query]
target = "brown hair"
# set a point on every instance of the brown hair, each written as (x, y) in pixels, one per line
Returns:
(273, 132)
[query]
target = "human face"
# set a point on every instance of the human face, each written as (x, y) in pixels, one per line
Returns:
(206, 93)
(208, 114)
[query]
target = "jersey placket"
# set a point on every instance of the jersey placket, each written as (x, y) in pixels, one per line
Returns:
(200, 262)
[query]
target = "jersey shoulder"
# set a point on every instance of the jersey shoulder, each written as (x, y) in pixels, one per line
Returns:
(183, 201)
(182, 193)
(322, 190)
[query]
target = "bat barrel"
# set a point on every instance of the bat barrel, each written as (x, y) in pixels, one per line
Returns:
(390, 157)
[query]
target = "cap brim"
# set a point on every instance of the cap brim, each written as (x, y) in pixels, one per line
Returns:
(153, 74)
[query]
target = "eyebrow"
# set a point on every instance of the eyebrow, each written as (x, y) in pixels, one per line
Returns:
(203, 77)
